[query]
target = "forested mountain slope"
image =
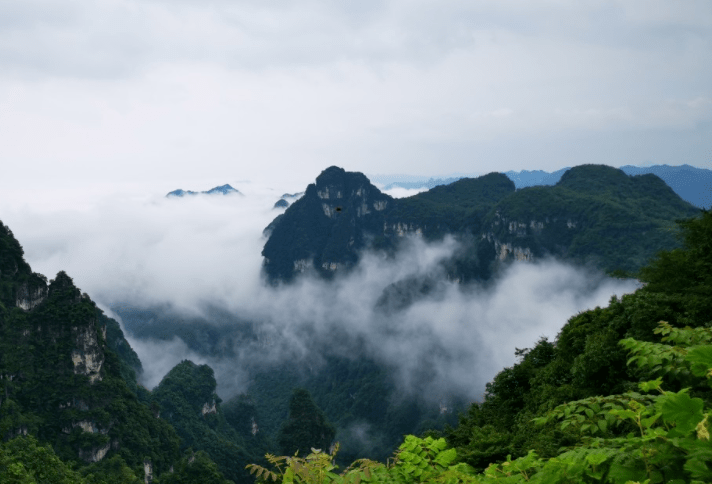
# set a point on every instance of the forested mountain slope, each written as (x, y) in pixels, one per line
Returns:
(69, 380)
(595, 214)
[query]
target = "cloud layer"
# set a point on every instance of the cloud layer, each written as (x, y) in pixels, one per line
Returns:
(203, 252)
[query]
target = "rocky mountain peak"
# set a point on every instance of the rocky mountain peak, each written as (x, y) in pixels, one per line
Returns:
(60, 282)
(342, 192)
(330, 222)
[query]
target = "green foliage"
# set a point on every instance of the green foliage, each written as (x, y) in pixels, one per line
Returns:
(130, 365)
(24, 461)
(356, 395)
(43, 394)
(459, 206)
(417, 460)
(586, 361)
(594, 214)
(574, 411)
(689, 268)
(111, 470)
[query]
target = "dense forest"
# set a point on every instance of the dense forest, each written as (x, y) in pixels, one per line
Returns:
(623, 395)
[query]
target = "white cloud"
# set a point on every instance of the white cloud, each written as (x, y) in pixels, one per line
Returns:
(138, 248)
(398, 192)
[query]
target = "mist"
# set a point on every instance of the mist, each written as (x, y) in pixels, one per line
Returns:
(201, 255)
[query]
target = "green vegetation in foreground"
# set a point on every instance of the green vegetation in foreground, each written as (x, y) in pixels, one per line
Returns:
(623, 396)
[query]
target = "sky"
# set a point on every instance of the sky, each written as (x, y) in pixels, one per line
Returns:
(133, 91)
(105, 106)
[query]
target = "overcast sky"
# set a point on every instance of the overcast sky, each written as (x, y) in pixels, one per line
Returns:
(151, 90)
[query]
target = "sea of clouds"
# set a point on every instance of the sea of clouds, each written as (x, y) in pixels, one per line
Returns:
(133, 246)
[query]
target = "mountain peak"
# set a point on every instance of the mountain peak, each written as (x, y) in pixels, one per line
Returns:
(340, 179)
(221, 190)
(589, 176)
(330, 222)
(61, 281)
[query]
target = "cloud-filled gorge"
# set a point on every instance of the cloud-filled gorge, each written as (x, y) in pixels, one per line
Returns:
(198, 259)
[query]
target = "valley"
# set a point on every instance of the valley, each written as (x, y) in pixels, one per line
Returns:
(391, 313)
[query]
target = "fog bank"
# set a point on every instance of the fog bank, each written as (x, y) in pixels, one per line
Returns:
(144, 250)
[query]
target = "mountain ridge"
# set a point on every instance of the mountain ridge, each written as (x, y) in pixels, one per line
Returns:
(692, 184)
(324, 231)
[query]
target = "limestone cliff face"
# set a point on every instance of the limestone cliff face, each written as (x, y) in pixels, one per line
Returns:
(31, 293)
(402, 229)
(519, 239)
(59, 378)
(209, 409)
(87, 356)
(94, 454)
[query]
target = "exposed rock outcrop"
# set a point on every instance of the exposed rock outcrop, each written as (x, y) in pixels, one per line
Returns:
(147, 471)
(209, 409)
(95, 454)
(31, 293)
(49, 335)
(87, 356)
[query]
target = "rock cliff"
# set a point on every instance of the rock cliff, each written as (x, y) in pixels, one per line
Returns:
(59, 378)
(325, 229)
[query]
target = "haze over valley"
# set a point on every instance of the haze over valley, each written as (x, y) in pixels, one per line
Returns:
(189, 257)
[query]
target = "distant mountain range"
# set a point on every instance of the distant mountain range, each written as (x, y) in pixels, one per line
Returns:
(526, 178)
(221, 190)
(594, 214)
(692, 184)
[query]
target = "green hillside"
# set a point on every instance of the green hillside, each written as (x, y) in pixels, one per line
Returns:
(459, 206)
(187, 399)
(594, 214)
(68, 387)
